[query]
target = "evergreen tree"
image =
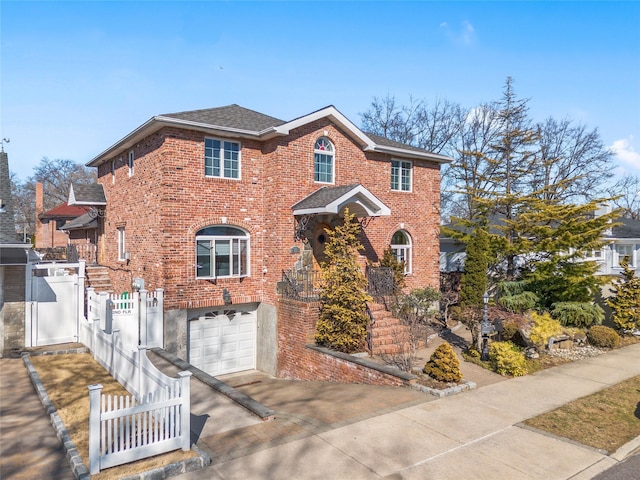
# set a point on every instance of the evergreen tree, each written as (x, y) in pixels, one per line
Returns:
(342, 325)
(389, 260)
(474, 279)
(626, 300)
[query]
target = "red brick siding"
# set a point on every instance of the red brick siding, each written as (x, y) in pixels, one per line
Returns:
(168, 199)
(296, 326)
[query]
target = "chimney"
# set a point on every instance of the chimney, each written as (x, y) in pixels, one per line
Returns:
(39, 198)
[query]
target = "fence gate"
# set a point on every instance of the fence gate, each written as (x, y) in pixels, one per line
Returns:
(55, 296)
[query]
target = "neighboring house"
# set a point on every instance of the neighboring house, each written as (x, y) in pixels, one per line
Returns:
(621, 240)
(14, 256)
(49, 225)
(214, 205)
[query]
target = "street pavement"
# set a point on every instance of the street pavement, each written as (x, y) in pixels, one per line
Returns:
(473, 435)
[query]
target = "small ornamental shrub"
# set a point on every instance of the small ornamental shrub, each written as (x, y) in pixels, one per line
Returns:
(509, 330)
(625, 303)
(544, 327)
(603, 337)
(507, 359)
(577, 314)
(444, 365)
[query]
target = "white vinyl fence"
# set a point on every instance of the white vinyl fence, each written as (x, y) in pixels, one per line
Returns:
(156, 418)
(138, 315)
(126, 429)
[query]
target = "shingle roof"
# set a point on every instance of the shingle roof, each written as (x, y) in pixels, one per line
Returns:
(87, 194)
(230, 116)
(86, 221)
(323, 197)
(64, 211)
(391, 143)
(628, 228)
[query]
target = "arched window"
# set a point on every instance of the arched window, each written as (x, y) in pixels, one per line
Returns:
(401, 246)
(323, 161)
(222, 251)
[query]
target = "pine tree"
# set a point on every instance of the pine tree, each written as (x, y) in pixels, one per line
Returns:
(474, 279)
(343, 320)
(626, 300)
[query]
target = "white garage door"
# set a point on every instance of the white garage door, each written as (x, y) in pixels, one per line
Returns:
(222, 343)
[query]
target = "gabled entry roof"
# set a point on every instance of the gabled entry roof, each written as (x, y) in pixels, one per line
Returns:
(87, 194)
(357, 198)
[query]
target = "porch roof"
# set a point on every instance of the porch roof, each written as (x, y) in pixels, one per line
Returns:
(91, 194)
(15, 253)
(87, 221)
(333, 200)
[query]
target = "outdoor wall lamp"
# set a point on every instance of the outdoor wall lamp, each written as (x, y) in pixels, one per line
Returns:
(226, 296)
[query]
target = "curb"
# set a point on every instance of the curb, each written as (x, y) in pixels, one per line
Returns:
(79, 469)
(466, 385)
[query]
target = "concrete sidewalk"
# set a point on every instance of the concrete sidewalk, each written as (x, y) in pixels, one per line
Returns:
(29, 447)
(474, 435)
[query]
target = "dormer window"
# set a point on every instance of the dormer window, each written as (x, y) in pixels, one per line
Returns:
(323, 161)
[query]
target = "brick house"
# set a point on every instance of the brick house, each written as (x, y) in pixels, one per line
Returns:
(214, 205)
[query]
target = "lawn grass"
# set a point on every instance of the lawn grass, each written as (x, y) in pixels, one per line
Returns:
(66, 378)
(605, 420)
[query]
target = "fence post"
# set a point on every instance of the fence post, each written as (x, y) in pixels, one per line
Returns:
(142, 354)
(185, 409)
(103, 311)
(94, 428)
(114, 339)
(142, 319)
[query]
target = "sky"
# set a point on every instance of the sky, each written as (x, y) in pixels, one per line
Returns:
(75, 77)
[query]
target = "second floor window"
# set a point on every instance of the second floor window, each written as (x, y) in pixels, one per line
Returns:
(130, 163)
(623, 251)
(400, 175)
(221, 158)
(323, 164)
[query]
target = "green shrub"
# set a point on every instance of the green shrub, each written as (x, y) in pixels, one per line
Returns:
(507, 359)
(544, 327)
(603, 337)
(519, 303)
(444, 365)
(577, 314)
(509, 330)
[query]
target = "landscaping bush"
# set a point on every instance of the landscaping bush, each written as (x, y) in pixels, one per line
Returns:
(509, 330)
(603, 337)
(444, 364)
(507, 359)
(577, 314)
(544, 327)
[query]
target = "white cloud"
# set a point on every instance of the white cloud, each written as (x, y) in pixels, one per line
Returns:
(625, 151)
(465, 35)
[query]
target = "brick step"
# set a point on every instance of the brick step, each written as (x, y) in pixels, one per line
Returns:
(386, 322)
(389, 331)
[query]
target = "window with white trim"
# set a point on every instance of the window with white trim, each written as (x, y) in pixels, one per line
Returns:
(323, 161)
(625, 251)
(113, 171)
(221, 158)
(401, 175)
(121, 244)
(222, 251)
(401, 246)
(130, 163)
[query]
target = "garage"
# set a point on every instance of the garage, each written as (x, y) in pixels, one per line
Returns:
(223, 341)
